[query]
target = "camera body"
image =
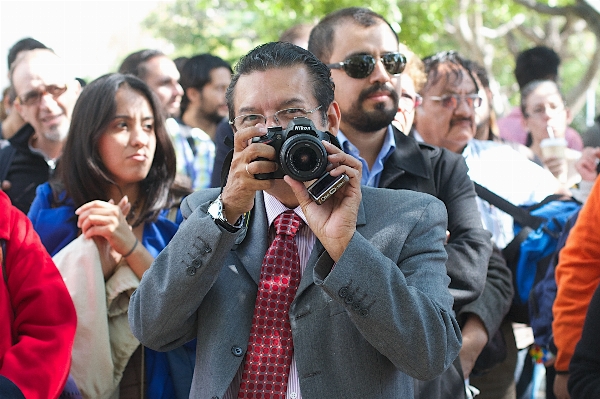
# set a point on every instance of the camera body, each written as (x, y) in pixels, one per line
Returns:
(299, 152)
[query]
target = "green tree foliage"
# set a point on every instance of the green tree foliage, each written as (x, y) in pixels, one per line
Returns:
(491, 32)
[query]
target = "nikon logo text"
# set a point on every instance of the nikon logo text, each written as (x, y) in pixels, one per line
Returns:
(301, 128)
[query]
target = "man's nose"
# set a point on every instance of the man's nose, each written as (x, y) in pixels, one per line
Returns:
(380, 74)
(177, 90)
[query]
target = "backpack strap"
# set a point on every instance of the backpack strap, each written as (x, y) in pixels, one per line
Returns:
(521, 216)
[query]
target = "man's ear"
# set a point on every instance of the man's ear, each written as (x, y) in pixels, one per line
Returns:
(193, 94)
(334, 116)
(18, 107)
(77, 87)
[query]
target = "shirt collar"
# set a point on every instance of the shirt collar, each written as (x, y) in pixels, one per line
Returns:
(274, 208)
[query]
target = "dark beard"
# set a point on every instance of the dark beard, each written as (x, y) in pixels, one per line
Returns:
(377, 119)
(215, 117)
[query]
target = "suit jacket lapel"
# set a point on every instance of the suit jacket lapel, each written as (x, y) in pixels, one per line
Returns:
(251, 251)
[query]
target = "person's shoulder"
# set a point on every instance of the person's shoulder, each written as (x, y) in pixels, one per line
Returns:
(394, 199)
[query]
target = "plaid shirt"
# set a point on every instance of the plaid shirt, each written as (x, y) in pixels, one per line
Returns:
(195, 153)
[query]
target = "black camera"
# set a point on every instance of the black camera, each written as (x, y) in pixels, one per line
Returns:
(299, 152)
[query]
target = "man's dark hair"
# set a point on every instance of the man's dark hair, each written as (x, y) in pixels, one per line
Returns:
(480, 72)
(293, 33)
(135, 63)
(277, 55)
(536, 63)
(24, 44)
(457, 67)
(81, 171)
(196, 73)
(321, 36)
(180, 62)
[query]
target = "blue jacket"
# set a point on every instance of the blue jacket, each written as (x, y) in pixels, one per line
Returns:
(57, 227)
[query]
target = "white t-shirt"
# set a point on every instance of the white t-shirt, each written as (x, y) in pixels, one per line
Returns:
(508, 173)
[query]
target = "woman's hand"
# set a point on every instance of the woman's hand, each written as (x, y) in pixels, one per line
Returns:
(107, 220)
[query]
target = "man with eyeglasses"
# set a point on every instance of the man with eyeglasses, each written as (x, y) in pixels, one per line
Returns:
(45, 97)
(361, 48)
(447, 118)
(350, 313)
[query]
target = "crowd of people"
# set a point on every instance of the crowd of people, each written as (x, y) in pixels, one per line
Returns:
(164, 255)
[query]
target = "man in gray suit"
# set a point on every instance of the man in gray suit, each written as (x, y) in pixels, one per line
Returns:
(372, 309)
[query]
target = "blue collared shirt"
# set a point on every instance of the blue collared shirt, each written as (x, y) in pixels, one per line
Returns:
(370, 177)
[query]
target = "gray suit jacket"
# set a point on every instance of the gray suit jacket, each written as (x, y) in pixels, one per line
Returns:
(362, 330)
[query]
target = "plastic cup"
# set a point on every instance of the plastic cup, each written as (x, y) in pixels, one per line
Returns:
(553, 147)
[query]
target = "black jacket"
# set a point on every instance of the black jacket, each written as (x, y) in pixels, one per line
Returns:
(443, 174)
(24, 169)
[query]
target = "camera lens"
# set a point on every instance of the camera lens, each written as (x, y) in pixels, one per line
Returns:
(303, 157)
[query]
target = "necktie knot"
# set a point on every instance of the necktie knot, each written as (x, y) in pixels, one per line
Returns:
(288, 223)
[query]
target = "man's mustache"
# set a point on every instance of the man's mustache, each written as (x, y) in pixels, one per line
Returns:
(380, 87)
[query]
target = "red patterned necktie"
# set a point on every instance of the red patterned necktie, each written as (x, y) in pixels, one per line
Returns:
(270, 347)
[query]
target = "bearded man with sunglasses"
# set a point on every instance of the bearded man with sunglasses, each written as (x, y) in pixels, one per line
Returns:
(361, 48)
(45, 100)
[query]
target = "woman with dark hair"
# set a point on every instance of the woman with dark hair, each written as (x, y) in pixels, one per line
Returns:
(114, 184)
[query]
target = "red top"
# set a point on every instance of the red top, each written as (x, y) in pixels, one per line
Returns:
(38, 320)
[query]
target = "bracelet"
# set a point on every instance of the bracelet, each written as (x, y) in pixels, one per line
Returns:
(132, 248)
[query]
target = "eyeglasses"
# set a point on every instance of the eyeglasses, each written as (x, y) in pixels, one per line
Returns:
(409, 102)
(451, 101)
(362, 65)
(35, 96)
(282, 117)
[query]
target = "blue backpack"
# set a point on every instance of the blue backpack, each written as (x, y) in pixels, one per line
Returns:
(537, 229)
(543, 293)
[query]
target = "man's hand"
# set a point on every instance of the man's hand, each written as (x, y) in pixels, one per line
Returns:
(238, 193)
(560, 386)
(333, 222)
(475, 337)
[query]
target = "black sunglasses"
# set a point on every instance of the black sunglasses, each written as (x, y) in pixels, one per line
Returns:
(362, 65)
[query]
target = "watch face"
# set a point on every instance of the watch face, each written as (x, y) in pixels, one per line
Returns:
(215, 209)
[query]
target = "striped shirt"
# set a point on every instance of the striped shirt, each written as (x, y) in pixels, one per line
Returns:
(305, 240)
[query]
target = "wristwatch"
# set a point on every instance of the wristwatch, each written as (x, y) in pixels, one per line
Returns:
(217, 211)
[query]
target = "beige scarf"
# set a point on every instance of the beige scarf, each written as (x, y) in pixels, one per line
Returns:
(103, 340)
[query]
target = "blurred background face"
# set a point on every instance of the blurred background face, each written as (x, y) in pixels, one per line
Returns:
(409, 100)
(212, 95)
(163, 78)
(45, 97)
(545, 108)
(128, 144)
(445, 124)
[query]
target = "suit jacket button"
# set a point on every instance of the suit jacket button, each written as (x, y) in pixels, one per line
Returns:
(364, 312)
(348, 299)
(191, 270)
(343, 292)
(237, 351)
